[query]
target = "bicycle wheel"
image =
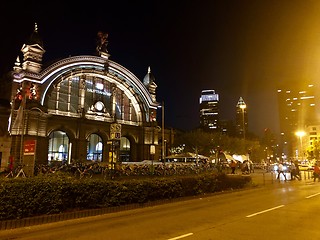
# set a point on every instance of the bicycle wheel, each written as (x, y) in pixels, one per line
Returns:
(90, 174)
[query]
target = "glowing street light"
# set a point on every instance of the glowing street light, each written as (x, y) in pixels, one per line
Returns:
(300, 134)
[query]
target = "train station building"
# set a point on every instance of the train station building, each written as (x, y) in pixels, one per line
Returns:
(80, 108)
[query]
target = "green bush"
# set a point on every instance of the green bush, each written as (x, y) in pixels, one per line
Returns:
(29, 197)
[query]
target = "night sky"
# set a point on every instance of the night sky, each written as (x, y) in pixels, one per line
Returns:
(238, 48)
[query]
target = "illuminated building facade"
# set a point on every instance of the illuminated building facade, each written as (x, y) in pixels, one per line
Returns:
(241, 118)
(209, 110)
(81, 108)
(311, 142)
(297, 111)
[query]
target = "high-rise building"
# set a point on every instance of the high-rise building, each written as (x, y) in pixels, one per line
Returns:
(297, 111)
(241, 118)
(209, 110)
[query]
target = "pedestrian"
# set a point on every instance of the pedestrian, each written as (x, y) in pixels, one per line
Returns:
(233, 166)
(316, 172)
(245, 167)
(295, 171)
(251, 167)
(281, 171)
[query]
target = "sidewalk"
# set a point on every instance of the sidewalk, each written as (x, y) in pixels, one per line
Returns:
(261, 177)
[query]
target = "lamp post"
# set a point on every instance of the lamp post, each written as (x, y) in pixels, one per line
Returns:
(243, 107)
(162, 128)
(300, 134)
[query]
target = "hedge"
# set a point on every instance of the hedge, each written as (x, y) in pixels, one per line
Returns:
(27, 197)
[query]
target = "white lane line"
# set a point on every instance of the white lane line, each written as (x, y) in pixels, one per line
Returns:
(267, 210)
(181, 236)
(313, 195)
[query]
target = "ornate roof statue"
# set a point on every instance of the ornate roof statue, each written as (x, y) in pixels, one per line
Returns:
(102, 42)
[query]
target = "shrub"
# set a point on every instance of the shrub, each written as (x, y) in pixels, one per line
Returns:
(28, 197)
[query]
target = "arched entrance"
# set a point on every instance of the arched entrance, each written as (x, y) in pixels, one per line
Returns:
(124, 149)
(59, 147)
(94, 148)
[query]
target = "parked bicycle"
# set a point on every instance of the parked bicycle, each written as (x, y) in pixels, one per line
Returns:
(17, 172)
(84, 172)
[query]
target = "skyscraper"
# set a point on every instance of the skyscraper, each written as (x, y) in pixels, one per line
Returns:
(297, 110)
(241, 118)
(209, 110)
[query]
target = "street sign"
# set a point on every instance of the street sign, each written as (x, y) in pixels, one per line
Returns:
(115, 131)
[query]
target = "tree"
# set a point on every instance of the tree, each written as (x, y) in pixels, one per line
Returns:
(212, 143)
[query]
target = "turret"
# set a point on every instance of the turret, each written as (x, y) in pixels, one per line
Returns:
(149, 82)
(32, 52)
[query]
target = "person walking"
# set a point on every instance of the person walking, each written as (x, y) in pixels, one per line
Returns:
(297, 173)
(281, 171)
(233, 166)
(316, 172)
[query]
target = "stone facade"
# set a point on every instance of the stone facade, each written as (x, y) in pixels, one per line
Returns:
(81, 108)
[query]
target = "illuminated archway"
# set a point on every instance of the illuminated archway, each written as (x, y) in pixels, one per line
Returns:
(58, 147)
(94, 148)
(125, 149)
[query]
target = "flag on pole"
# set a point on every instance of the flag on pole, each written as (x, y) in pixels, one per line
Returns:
(18, 121)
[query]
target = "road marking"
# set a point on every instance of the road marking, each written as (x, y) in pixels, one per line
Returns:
(267, 210)
(313, 195)
(181, 236)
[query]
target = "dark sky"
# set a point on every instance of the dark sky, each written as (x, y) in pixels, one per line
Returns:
(238, 48)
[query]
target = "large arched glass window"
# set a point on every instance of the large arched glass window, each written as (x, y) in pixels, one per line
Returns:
(94, 148)
(72, 93)
(124, 149)
(58, 146)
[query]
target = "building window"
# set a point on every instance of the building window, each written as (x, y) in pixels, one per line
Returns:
(124, 149)
(58, 146)
(71, 94)
(94, 148)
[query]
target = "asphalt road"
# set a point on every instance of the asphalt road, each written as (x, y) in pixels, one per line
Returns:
(273, 210)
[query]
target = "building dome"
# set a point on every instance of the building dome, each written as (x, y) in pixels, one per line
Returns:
(149, 78)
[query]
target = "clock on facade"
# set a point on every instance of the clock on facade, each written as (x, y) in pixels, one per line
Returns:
(99, 106)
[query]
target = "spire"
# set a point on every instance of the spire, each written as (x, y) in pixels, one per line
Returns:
(17, 65)
(35, 27)
(33, 52)
(149, 83)
(241, 103)
(35, 37)
(149, 78)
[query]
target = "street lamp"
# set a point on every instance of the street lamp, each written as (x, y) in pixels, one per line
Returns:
(163, 141)
(162, 131)
(300, 134)
(243, 107)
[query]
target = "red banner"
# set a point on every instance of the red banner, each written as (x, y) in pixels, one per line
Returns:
(29, 147)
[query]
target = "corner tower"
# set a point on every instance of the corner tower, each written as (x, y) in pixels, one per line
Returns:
(149, 83)
(33, 52)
